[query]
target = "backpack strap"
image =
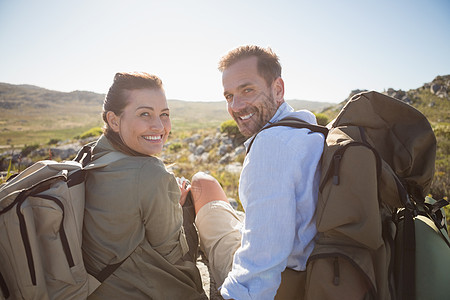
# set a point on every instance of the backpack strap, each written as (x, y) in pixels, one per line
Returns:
(84, 156)
(294, 123)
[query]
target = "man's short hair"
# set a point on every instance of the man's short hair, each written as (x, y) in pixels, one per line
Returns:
(268, 62)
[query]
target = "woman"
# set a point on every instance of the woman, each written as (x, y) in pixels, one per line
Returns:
(133, 214)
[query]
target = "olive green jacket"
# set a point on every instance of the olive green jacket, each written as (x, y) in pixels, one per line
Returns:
(132, 210)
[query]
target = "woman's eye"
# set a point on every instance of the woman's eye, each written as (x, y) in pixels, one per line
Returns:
(165, 115)
(248, 90)
(145, 114)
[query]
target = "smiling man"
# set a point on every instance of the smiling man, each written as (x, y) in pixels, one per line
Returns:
(264, 257)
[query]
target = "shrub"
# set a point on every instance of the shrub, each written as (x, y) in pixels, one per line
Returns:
(28, 149)
(175, 147)
(53, 141)
(322, 119)
(232, 130)
(229, 127)
(93, 132)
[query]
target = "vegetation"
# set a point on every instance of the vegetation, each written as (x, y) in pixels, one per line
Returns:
(93, 132)
(32, 116)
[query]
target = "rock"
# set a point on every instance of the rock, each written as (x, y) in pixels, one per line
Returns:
(209, 285)
(233, 203)
(223, 149)
(234, 168)
(225, 159)
(239, 150)
(435, 88)
(199, 150)
(192, 139)
(209, 142)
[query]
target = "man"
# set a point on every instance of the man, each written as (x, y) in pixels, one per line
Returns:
(278, 187)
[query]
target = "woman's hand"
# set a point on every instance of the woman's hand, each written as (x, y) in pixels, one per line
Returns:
(185, 187)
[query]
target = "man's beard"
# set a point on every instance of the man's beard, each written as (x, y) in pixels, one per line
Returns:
(262, 115)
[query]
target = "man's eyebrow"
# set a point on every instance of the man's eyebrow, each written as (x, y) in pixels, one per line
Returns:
(240, 87)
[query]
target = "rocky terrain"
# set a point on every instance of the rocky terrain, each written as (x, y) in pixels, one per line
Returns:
(223, 151)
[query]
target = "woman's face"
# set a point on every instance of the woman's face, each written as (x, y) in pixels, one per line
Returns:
(144, 125)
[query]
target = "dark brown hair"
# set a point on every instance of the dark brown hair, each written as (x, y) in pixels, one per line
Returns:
(268, 62)
(117, 99)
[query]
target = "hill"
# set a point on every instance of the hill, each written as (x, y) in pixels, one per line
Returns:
(31, 114)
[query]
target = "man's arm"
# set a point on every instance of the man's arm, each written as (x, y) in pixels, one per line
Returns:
(269, 181)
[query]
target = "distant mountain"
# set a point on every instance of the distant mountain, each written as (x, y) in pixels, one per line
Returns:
(31, 108)
(29, 113)
(13, 96)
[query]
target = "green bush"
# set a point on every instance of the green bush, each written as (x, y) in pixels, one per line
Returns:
(53, 141)
(93, 132)
(28, 149)
(175, 147)
(322, 119)
(229, 127)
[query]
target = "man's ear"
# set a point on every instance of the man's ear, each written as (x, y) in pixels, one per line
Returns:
(113, 121)
(278, 90)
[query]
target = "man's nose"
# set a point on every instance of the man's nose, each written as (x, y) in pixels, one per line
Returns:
(237, 103)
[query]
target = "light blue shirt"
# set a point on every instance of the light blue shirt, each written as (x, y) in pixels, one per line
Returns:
(278, 189)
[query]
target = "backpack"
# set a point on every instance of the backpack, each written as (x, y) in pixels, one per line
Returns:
(41, 220)
(379, 237)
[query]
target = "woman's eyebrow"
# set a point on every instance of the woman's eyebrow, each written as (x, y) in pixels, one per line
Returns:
(145, 107)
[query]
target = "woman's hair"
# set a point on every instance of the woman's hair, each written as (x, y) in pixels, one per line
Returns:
(269, 66)
(117, 99)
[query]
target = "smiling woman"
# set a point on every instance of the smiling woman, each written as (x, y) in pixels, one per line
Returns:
(133, 217)
(144, 124)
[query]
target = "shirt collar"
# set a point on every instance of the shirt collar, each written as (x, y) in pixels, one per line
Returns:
(281, 112)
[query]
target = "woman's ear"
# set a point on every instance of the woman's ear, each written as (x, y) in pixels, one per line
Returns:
(113, 121)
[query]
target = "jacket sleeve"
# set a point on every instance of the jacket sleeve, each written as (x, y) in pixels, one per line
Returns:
(161, 212)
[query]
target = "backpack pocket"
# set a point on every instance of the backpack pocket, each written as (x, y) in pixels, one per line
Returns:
(337, 276)
(43, 256)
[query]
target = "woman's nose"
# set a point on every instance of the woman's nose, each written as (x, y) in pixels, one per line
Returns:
(156, 124)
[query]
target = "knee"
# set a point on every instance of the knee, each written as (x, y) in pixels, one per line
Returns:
(205, 188)
(202, 177)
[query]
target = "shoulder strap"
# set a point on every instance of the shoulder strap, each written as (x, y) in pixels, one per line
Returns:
(294, 123)
(84, 156)
(105, 160)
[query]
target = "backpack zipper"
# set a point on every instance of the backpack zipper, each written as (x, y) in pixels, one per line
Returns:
(20, 199)
(336, 269)
(333, 170)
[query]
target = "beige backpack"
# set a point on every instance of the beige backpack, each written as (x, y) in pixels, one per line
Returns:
(379, 157)
(41, 220)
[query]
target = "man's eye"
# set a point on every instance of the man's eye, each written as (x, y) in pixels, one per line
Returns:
(229, 97)
(248, 90)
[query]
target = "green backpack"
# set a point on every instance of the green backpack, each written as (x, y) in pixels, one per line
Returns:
(377, 167)
(41, 220)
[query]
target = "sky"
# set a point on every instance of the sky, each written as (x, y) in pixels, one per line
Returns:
(327, 48)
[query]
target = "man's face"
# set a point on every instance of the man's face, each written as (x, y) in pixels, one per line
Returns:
(251, 103)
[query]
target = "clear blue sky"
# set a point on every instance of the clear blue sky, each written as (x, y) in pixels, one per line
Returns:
(327, 48)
